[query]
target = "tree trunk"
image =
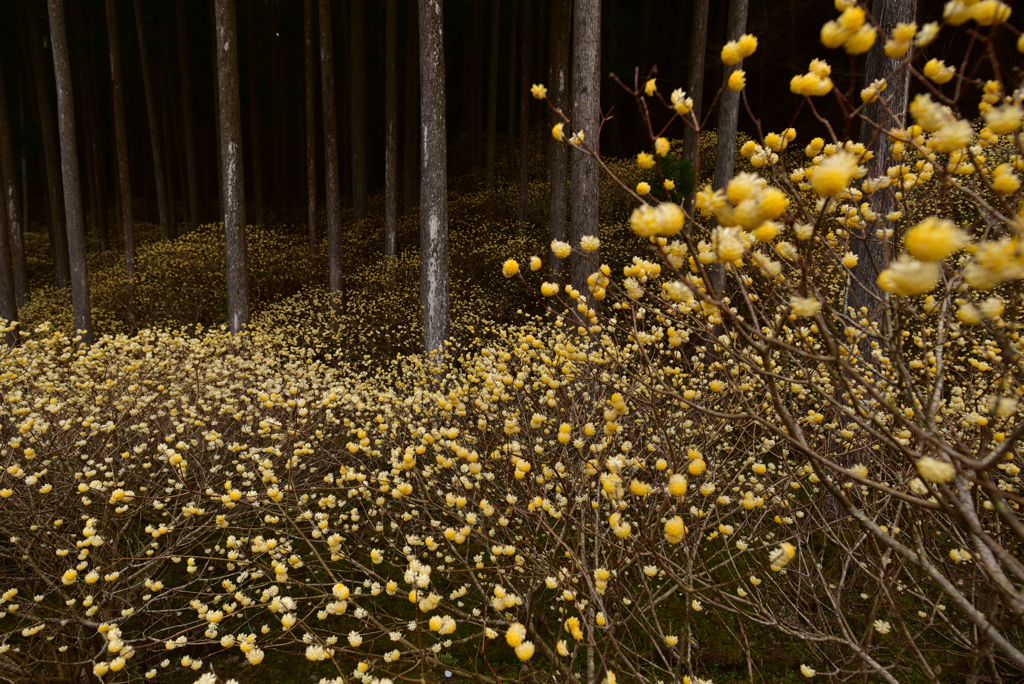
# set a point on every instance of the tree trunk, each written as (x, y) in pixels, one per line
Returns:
(69, 169)
(51, 156)
(524, 119)
(873, 252)
(434, 179)
(357, 64)
(513, 89)
(9, 190)
(474, 86)
(492, 96)
(256, 152)
(728, 118)
(121, 139)
(192, 173)
(695, 89)
(233, 192)
(8, 302)
(166, 126)
(558, 153)
(391, 129)
(411, 172)
(279, 139)
(334, 272)
(310, 125)
(160, 179)
(586, 73)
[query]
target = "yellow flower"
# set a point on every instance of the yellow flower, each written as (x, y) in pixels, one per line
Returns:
(850, 260)
(804, 306)
(1004, 120)
(934, 470)
(936, 70)
(907, 277)
(737, 80)
(557, 132)
(832, 175)
(590, 243)
(510, 268)
(934, 239)
(747, 44)
(990, 12)
(807, 671)
(731, 53)
(960, 555)
(549, 289)
(524, 651)
(561, 249)
(833, 35)
(661, 146)
(515, 634)
(1004, 180)
(677, 484)
(781, 556)
(697, 467)
(535, 263)
(669, 184)
(538, 91)
(642, 188)
(577, 138)
(665, 220)
(861, 41)
(675, 530)
(871, 93)
(651, 87)
(645, 160)
(683, 104)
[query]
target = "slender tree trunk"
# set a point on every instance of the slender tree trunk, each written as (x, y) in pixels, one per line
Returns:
(434, 179)
(166, 126)
(51, 156)
(391, 129)
(475, 82)
(160, 179)
(314, 241)
(524, 119)
(357, 63)
(233, 193)
(191, 171)
(255, 143)
(8, 301)
(492, 96)
(278, 139)
(558, 153)
(121, 139)
(69, 169)
(513, 89)
(334, 272)
(9, 190)
(695, 88)
(214, 51)
(586, 70)
(728, 118)
(411, 172)
(874, 253)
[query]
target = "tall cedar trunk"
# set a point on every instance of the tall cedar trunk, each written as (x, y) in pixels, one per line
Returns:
(695, 88)
(558, 153)
(873, 252)
(586, 73)
(433, 178)
(492, 96)
(334, 272)
(255, 143)
(98, 169)
(474, 87)
(524, 119)
(69, 172)
(345, 113)
(191, 171)
(307, 13)
(411, 135)
(278, 141)
(728, 118)
(9, 190)
(513, 89)
(160, 179)
(8, 302)
(88, 123)
(357, 64)
(233, 192)
(166, 124)
(390, 129)
(215, 77)
(121, 140)
(51, 156)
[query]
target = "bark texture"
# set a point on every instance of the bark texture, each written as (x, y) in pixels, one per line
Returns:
(558, 153)
(307, 14)
(873, 252)
(69, 172)
(411, 134)
(232, 178)
(390, 129)
(524, 119)
(357, 64)
(124, 179)
(492, 97)
(586, 117)
(10, 200)
(51, 155)
(256, 156)
(187, 128)
(434, 284)
(695, 88)
(167, 229)
(334, 273)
